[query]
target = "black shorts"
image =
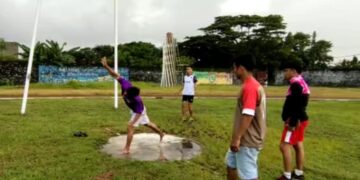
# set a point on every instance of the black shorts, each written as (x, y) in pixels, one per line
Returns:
(188, 98)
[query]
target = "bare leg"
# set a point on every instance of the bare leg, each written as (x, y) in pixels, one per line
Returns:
(130, 134)
(184, 109)
(162, 157)
(285, 149)
(156, 129)
(300, 155)
(190, 109)
(231, 174)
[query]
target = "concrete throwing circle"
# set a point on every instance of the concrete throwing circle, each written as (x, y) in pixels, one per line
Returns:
(147, 147)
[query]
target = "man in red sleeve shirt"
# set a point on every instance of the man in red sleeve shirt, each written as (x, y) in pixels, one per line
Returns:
(249, 123)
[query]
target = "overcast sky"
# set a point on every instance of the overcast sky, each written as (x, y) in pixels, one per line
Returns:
(90, 22)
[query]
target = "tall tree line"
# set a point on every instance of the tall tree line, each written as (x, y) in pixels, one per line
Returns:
(265, 37)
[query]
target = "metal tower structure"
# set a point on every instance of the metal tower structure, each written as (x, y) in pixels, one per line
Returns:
(170, 60)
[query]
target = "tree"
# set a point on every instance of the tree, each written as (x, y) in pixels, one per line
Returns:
(104, 50)
(56, 54)
(134, 54)
(50, 53)
(262, 36)
(230, 36)
(355, 61)
(313, 53)
(85, 57)
(353, 64)
(90, 56)
(319, 55)
(2, 45)
(208, 51)
(186, 61)
(298, 44)
(139, 55)
(39, 53)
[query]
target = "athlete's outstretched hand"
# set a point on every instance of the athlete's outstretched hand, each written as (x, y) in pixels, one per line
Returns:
(104, 61)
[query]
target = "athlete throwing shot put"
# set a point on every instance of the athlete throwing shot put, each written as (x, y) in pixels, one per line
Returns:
(132, 99)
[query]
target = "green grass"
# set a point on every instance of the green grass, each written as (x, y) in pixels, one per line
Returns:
(73, 88)
(40, 144)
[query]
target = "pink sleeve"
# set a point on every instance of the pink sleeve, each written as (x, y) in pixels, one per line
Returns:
(249, 99)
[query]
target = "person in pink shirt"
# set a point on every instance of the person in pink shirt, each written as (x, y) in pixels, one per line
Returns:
(295, 120)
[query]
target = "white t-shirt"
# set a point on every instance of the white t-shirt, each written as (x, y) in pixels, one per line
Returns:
(189, 85)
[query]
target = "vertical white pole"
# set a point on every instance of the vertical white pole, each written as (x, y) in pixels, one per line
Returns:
(31, 59)
(177, 67)
(116, 54)
(171, 55)
(163, 67)
(167, 75)
(164, 61)
(170, 65)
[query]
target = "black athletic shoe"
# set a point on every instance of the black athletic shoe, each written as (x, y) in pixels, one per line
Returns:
(80, 134)
(296, 177)
(282, 178)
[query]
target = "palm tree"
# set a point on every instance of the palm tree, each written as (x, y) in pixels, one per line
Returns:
(56, 54)
(39, 54)
(50, 53)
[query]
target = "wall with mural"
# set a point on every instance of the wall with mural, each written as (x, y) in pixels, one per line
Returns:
(13, 73)
(54, 74)
(326, 78)
(213, 77)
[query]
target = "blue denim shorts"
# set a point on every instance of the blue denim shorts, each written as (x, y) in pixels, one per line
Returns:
(244, 161)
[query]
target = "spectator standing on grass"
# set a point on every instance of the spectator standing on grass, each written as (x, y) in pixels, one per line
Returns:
(295, 121)
(249, 123)
(188, 93)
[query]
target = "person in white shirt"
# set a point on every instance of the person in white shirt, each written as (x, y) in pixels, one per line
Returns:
(188, 93)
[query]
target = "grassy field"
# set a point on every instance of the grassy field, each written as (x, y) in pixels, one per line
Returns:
(153, 89)
(40, 144)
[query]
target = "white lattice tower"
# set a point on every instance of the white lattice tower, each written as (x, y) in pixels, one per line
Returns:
(170, 58)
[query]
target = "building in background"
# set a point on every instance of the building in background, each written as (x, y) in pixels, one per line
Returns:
(9, 50)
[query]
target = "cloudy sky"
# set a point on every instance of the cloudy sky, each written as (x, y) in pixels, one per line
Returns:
(90, 22)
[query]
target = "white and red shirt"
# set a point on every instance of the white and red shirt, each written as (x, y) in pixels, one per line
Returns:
(252, 101)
